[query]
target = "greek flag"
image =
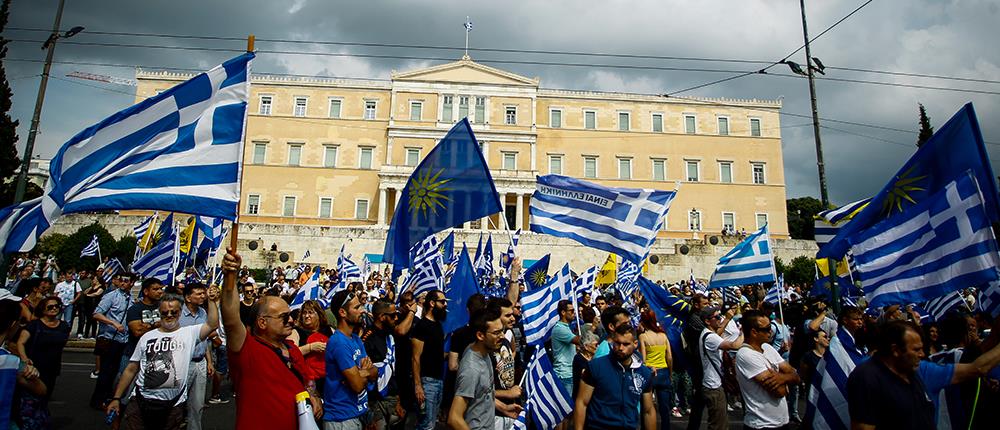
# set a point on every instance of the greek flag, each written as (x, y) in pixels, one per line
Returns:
(774, 294)
(508, 258)
(468, 25)
(628, 272)
(826, 406)
(848, 301)
(92, 249)
(989, 298)
(213, 231)
(540, 307)
(484, 260)
(178, 151)
(110, 269)
(941, 244)
(828, 222)
(145, 227)
(940, 307)
(158, 262)
(347, 271)
(750, 262)
(548, 402)
(310, 291)
(585, 282)
(521, 422)
(623, 221)
(306, 255)
(428, 268)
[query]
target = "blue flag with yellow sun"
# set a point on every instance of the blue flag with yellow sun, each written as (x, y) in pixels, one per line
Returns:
(955, 148)
(538, 274)
(450, 186)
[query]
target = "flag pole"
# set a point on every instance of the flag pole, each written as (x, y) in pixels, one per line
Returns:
(774, 272)
(99, 259)
(229, 280)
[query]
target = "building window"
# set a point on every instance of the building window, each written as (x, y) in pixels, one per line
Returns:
(289, 207)
(657, 123)
(480, 110)
(589, 167)
(335, 108)
(623, 121)
(659, 170)
(728, 221)
(330, 156)
(463, 107)
(555, 164)
(624, 168)
(325, 207)
(365, 158)
(295, 154)
(361, 209)
(416, 111)
(259, 152)
(265, 105)
(510, 161)
(761, 220)
(446, 108)
(690, 122)
(755, 127)
(555, 118)
(692, 171)
(412, 156)
(510, 115)
(758, 173)
(726, 172)
(300, 106)
(253, 204)
(589, 119)
(723, 126)
(370, 106)
(694, 220)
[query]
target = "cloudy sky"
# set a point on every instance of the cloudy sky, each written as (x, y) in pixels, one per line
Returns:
(952, 39)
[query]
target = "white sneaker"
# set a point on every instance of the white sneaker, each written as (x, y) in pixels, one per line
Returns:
(676, 412)
(93, 375)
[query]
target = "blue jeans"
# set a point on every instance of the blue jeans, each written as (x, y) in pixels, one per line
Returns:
(67, 315)
(433, 390)
(664, 393)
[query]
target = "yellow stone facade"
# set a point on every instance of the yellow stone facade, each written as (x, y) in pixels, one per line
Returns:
(335, 152)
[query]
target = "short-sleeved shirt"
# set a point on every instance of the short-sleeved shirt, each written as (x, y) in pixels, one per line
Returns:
(195, 318)
(340, 403)
(432, 357)
(617, 393)
(711, 358)
(266, 384)
(139, 311)
(762, 409)
(461, 338)
(66, 291)
(563, 350)
(475, 383)
(113, 305)
(380, 345)
(829, 325)
(877, 396)
(9, 365)
(163, 360)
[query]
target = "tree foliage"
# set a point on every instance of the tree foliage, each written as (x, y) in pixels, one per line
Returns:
(800, 216)
(67, 248)
(801, 270)
(9, 162)
(926, 131)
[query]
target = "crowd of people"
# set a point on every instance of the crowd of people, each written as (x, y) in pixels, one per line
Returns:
(367, 359)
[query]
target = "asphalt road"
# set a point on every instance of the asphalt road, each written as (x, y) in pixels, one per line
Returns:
(73, 388)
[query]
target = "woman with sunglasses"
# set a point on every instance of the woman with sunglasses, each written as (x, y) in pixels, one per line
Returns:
(44, 339)
(312, 331)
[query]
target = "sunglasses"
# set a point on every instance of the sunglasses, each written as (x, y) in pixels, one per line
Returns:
(765, 329)
(51, 307)
(171, 313)
(284, 316)
(347, 298)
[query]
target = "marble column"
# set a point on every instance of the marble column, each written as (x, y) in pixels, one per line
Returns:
(519, 218)
(383, 206)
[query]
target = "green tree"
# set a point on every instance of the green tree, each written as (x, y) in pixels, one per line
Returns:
(124, 249)
(801, 270)
(68, 255)
(50, 243)
(800, 216)
(9, 162)
(926, 131)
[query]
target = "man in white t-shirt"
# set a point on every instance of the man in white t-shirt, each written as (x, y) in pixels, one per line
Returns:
(161, 361)
(68, 292)
(710, 346)
(763, 375)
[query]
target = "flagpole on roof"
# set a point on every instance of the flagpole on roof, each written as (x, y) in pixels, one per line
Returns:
(230, 278)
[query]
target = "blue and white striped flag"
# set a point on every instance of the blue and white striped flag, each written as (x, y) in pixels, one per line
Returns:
(939, 307)
(750, 262)
(628, 273)
(347, 271)
(158, 262)
(310, 291)
(623, 221)
(93, 248)
(548, 402)
(540, 307)
(942, 244)
(849, 301)
(989, 298)
(521, 422)
(306, 255)
(427, 272)
(484, 261)
(213, 231)
(775, 293)
(177, 151)
(826, 406)
(110, 269)
(828, 222)
(146, 226)
(508, 258)
(585, 282)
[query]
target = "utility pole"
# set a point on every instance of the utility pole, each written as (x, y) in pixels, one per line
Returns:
(29, 147)
(815, 113)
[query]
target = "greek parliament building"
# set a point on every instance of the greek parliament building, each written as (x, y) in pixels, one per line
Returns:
(325, 160)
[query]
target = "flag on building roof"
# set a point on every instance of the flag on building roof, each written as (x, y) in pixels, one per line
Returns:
(749, 262)
(540, 307)
(828, 222)
(462, 286)
(670, 310)
(311, 290)
(93, 248)
(450, 186)
(537, 275)
(826, 406)
(942, 244)
(623, 221)
(179, 150)
(548, 402)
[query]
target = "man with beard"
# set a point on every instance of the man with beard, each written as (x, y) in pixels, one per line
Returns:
(428, 358)
(472, 407)
(112, 336)
(383, 401)
(201, 362)
(508, 392)
(626, 384)
(161, 360)
(349, 370)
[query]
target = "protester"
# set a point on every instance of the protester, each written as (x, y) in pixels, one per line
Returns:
(655, 350)
(385, 410)
(43, 339)
(564, 343)
(763, 376)
(963, 405)
(711, 346)
(312, 332)
(473, 405)
(428, 359)
(69, 292)
(15, 377)
(349, 369)
(112, 337)
(87, 327)
(625, 388)
(201, 366)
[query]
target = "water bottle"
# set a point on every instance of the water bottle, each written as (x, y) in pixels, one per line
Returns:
(304, 409)
(110, 417)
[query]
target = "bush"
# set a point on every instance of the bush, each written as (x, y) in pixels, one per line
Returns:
(68, 255)
(50, 243)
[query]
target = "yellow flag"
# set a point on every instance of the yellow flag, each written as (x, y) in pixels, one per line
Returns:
(148, 238)
(843, 268)
(645, 267)
(608, 272)
(185, 238)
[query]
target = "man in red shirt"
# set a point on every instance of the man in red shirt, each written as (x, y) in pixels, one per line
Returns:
(267, 370)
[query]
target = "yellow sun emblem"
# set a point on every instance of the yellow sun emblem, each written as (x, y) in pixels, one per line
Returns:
(426, 192)
(900, 192)
(538, 277)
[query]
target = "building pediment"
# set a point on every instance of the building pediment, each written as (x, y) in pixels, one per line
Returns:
(466, 71)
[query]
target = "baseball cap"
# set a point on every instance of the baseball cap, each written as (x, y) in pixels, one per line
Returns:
(708, 312)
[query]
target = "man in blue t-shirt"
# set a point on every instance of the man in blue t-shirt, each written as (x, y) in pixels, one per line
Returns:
(348, 369)
(626, 384)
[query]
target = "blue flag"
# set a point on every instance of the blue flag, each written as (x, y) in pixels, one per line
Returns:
(537, 274)
(669, 309)
(956, 147)
(451, 185)
(448, 247)
(462, 286)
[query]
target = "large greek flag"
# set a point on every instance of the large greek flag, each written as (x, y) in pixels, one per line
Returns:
(826, 406)
(177, 151)
(540, 307)
(750, 262)
(623, 221)
(158, 262)
(941, 244)
(93, 248)
(548, 402)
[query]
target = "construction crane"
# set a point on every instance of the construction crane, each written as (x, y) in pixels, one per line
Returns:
(101, 78)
